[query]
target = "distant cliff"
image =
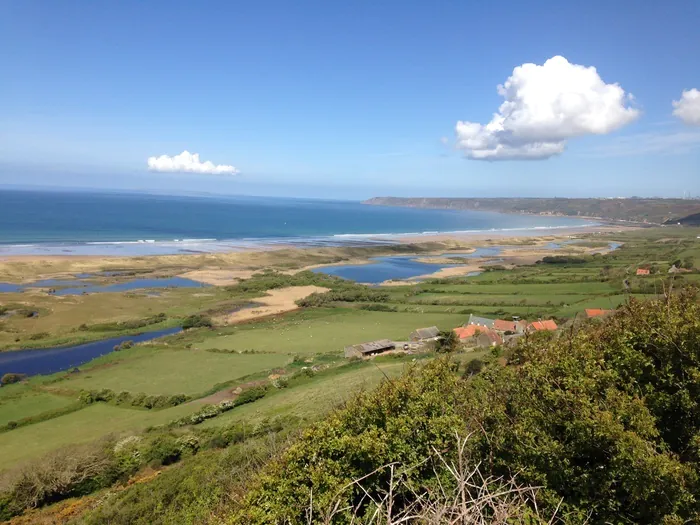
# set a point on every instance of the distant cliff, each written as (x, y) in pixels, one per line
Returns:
(651, 211)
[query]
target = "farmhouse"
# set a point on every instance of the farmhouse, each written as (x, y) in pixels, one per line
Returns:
(643, 271)
(480, 321)
(597, 312)
(516, 327)
(479, 335)
(465, 332)
(369, 349)
(425, 334)
(539, 326)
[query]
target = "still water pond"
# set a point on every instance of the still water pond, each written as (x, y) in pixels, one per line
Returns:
(396, 267)
(51, 360)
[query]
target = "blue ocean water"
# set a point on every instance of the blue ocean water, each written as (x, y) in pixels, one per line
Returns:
(111, 223)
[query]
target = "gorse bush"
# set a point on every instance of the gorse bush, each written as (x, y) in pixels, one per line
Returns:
(605, 420)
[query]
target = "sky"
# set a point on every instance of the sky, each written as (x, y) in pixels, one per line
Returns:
(349, 100)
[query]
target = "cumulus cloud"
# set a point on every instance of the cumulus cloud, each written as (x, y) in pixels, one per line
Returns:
(544, 107)
(688, 107)
(189, 163)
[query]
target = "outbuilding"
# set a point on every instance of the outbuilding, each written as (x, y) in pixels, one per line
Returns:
(425, 334)
(369, 349)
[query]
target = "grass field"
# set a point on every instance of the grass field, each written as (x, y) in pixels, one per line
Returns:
(85, 425)
(327, 330)
(172, 371)
(317, 396)
(32, 404)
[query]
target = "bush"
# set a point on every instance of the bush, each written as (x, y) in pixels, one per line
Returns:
(606, 422)
(473, 367)
(251, 394)
(10, 378)
(197, 321)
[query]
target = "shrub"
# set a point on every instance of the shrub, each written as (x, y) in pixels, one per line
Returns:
(10, 378)
(197, 321)
(252, 394)
(473, 367)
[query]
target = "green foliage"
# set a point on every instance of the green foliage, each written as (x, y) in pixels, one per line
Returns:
(197, 321)
(606, 420)
(270, 280)
(132, 324)
(447, 342)
(106, 395)
(350, 294)
(564, 259)
(473, 367)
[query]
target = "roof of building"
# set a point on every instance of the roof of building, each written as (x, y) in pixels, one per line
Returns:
(374, 346)
(427, 333)
(642, 271)
(547, 324)
(597, 312)
(480, 321)
(505, 326)
(493, 337)
(471, 330)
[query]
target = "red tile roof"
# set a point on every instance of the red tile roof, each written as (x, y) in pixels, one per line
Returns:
(471, 330)
(505, 326)
(547, 324)
(597, 312)
(494, 337)
(642, 271)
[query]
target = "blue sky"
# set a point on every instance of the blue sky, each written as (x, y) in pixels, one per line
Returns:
(343, 99)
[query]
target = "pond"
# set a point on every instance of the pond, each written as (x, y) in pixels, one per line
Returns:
(395, 267)
(83, 284)
(51, 360)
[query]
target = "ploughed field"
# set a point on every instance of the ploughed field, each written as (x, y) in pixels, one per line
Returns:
(184, 372)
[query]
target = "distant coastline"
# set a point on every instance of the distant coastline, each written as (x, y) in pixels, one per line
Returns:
(50, 223)
(653, 211)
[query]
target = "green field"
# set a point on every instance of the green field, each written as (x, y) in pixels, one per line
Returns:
(328, 330)
(171, 371)
(82, 426)
(31, 404)
(186, 364)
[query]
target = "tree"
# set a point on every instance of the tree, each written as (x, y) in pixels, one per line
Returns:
(447, 342)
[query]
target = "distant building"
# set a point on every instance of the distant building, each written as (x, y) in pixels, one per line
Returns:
(597, 312)
(425, 334)
(480, 321)
(480, 335)
(643, 271)
(674, 269)
(539, 326)
(465, 332)
(369, 349)
(488, 338)
(515, 327)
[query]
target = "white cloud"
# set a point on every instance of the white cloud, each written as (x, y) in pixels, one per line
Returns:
(190, 163)
(544, 107)
(688, 107)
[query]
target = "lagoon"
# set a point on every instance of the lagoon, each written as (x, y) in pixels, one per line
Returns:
(51, 360)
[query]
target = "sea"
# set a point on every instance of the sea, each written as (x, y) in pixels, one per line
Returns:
(93, 223)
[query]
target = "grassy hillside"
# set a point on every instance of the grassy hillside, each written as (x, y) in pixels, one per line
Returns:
(290, 369)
